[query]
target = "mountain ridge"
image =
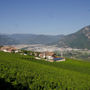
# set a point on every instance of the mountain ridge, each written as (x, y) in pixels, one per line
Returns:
(28, 39)
(79, 39)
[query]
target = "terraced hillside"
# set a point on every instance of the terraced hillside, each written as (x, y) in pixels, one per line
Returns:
(18, 72)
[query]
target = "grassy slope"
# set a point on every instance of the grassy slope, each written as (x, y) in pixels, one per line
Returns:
(23, 72)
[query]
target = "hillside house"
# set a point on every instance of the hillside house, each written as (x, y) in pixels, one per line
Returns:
(46, 55)
(51, 57)
(42, 55)
(9, 49)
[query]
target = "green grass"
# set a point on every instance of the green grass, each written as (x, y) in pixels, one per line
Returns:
(25, 73)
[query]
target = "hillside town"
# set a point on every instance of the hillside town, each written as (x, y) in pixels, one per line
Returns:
(46, 55)
(8, 49)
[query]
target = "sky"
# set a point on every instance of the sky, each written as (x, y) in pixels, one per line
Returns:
(51, 17)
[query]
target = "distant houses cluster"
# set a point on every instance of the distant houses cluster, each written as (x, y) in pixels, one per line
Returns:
(48, 56)
(9, 49)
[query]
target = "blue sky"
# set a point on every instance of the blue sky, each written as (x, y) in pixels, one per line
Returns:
(44, 16)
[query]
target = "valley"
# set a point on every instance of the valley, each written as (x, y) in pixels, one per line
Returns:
(81, 54)
(44, 44)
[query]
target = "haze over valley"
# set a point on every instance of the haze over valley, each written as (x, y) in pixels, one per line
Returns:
(79, 40)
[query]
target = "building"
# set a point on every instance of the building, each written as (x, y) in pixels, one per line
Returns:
(46, 55)
(9, 49)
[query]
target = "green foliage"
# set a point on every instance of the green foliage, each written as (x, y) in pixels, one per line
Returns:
(1, 46)
(20, 72)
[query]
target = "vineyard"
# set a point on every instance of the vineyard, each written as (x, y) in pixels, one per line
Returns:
(19, 72)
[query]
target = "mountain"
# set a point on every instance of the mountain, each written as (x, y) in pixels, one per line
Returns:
(35, 39)
(80, 39)
(6, 40)
(28, 39)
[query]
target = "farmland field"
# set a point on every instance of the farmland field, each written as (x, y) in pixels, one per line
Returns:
(19, 72)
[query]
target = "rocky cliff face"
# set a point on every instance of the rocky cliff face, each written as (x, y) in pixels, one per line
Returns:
(86, 31)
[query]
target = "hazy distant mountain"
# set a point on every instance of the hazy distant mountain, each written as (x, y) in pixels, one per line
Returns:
(35, 39)
(6, 40)
(28, 39)
(80, 39)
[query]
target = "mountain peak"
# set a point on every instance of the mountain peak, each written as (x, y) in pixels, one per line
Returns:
(80, 39)
(86, 31)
